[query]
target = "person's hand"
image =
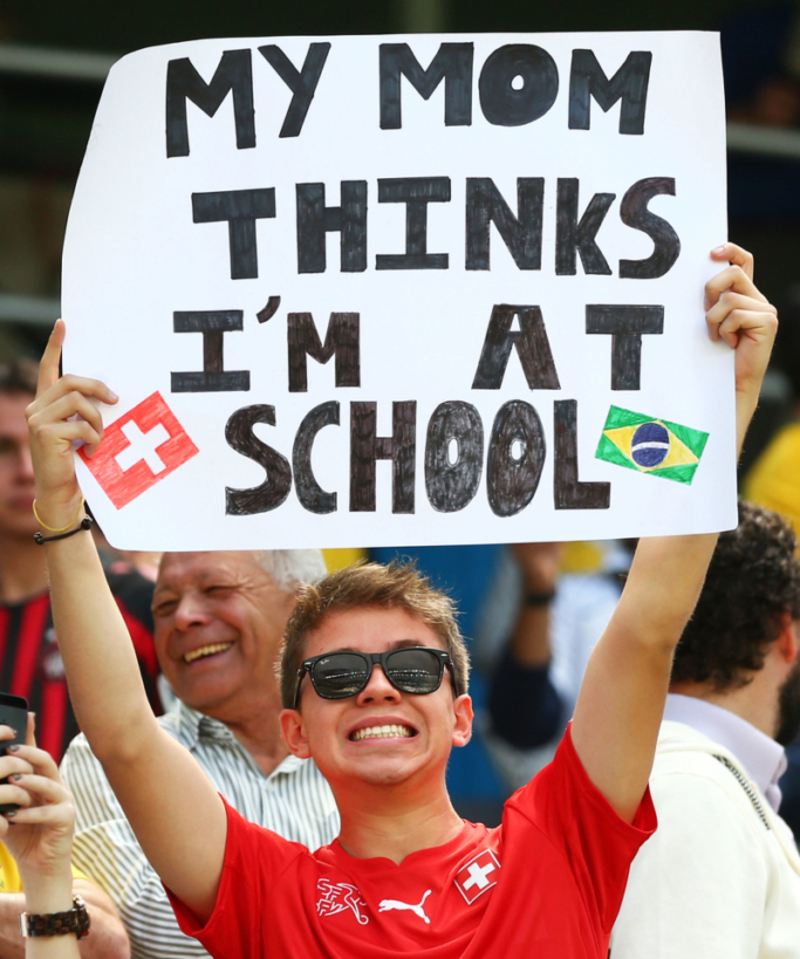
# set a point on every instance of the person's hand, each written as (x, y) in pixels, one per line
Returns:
(39, 833)
(61, 414)
(739, 314)
(539, 563)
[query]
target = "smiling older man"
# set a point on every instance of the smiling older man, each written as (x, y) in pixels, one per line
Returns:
(219, 619)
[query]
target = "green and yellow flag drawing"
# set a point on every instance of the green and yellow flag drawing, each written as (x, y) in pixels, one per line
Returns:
(651, 445)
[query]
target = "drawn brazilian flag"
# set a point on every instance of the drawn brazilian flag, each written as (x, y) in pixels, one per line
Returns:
(652, 446)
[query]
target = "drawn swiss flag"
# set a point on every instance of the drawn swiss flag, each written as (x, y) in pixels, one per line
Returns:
(138, 450)
(478, 875)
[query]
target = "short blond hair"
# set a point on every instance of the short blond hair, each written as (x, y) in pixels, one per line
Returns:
(396, 586)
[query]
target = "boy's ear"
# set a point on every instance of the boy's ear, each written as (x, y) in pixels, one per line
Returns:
(294, 733)
(462, 731)
(788, 641)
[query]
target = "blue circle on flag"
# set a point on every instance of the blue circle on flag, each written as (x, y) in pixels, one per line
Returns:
(650, 445)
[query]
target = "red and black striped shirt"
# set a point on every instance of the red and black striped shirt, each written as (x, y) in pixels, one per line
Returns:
(30, 661)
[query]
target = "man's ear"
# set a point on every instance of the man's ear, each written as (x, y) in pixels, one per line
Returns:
(294, 733)
(788, 641)
(462, 731)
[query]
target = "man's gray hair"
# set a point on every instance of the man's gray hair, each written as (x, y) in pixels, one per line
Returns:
(290, 568)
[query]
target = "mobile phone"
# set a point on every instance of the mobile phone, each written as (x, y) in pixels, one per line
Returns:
(13, 713)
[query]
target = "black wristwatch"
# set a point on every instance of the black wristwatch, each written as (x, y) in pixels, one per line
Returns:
(57, 923)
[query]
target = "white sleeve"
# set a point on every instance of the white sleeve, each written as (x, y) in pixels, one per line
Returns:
(698, 886)
(106, 849)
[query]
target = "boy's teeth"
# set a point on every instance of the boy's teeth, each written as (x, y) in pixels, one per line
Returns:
(206, 651)
(392, 731)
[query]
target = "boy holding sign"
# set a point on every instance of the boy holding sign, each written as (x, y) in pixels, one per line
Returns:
(406, 876)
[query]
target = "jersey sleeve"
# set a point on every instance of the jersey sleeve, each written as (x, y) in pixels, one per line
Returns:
(106, 848)
(583, 828)
(698, 889)
(255, 860)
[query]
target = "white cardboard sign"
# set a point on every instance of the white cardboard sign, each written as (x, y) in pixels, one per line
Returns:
(404, 290)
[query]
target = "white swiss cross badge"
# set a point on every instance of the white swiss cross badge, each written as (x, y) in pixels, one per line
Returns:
(123, 469)
(478, 875)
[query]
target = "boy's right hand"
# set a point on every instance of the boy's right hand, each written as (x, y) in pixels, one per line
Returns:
(62, 413)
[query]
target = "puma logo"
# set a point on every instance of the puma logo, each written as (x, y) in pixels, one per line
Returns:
(387, 904)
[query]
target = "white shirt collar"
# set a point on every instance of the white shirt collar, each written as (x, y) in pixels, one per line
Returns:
(195, 725)
(763, 758)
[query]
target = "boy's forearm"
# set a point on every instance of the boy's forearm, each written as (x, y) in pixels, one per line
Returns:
(746, 404)
(102, 671)
(664, 582)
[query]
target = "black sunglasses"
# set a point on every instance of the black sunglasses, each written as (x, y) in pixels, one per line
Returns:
(412, 669)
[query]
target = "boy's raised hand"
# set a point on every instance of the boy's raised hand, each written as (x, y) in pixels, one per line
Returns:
(739, 314)
(62, 413)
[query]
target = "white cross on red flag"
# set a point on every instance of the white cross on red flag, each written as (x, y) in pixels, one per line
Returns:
(478, 875)
(124, 485)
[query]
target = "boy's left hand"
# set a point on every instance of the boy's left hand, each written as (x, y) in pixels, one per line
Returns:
(740, 314)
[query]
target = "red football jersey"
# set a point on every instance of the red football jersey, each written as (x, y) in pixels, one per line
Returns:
(547, 883)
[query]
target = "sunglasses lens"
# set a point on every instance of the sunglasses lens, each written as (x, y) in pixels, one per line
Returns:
(339, 675)
(414, 670)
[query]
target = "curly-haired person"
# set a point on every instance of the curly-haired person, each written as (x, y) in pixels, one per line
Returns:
(721, 877)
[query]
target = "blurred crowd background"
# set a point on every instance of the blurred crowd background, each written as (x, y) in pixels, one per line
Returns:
(53, 61)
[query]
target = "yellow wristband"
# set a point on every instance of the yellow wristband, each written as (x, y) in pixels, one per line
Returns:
(62, 529)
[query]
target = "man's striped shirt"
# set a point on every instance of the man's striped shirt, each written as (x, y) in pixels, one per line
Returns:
(294, 801)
